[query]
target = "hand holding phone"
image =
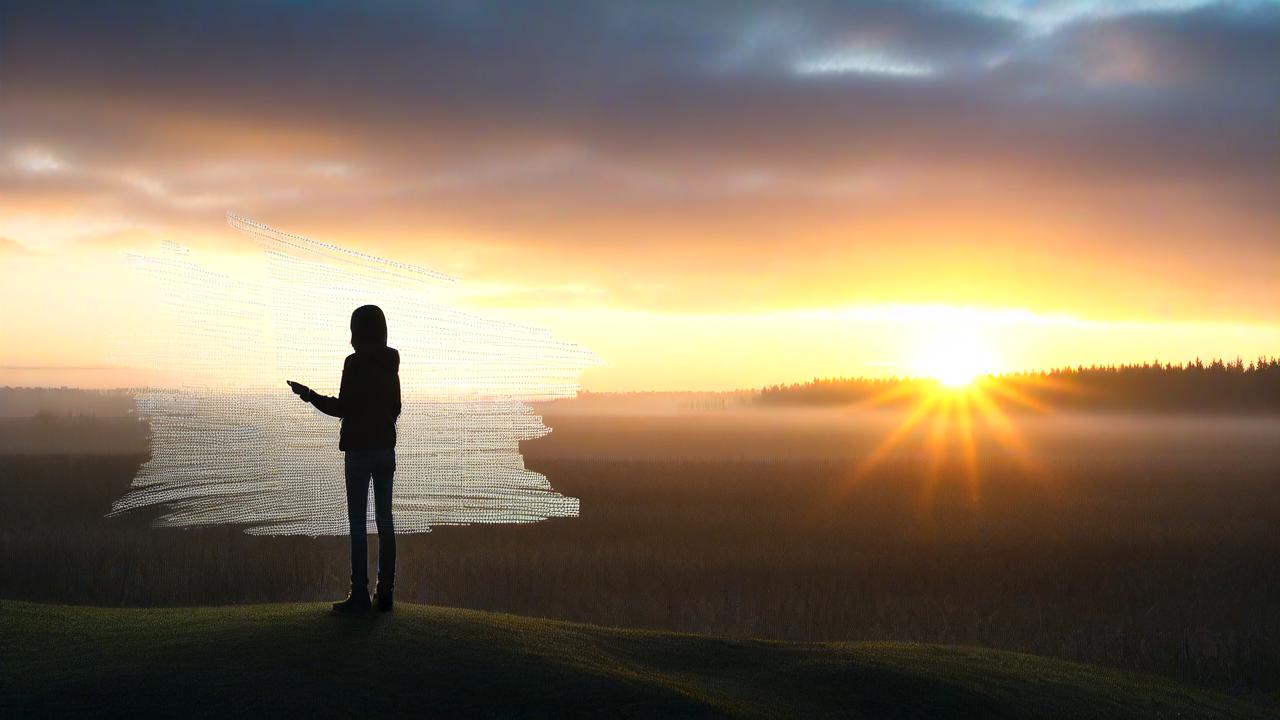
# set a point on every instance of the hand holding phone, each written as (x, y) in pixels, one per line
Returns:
(302, 390)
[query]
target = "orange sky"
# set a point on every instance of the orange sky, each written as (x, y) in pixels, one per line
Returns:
(714, 197)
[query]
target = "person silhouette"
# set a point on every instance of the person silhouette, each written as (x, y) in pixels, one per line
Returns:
(368, 403)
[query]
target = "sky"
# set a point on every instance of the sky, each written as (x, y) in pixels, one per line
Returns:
(710, 195)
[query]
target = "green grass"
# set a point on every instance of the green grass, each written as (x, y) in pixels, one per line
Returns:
(293, 660)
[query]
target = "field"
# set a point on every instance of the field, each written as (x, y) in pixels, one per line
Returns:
(1148, 545)
(278, 660)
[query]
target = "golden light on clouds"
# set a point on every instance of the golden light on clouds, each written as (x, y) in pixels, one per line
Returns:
(746, 197)
(67, 309)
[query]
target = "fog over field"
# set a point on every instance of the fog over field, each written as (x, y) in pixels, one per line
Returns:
(774, 433)
(1140, 542)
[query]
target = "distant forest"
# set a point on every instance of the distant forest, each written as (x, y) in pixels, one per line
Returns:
(1197, 386)
(22, 402)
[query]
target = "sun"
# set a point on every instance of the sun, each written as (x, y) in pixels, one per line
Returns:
(955, 359)
(955, 414)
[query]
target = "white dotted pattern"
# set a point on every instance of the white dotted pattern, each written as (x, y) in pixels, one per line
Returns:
(235, 445)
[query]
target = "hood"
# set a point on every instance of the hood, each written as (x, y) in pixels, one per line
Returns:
(368, 328)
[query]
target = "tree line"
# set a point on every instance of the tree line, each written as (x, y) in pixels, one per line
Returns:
(1196, 386)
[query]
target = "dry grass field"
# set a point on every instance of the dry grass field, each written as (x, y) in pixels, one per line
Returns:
(1149, 545)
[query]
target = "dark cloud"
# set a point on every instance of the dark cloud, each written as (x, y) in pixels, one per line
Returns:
(592, 125)
(682, 83)
(1216, 51)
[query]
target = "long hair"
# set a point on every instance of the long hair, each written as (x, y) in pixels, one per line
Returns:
(368, 328)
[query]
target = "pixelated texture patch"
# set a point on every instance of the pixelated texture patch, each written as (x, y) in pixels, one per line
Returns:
(233, 445)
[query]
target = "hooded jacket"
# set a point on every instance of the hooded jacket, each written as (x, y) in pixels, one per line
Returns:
(369, 397)
(368, 400)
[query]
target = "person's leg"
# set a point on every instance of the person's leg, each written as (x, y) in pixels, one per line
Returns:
(383, 479)
(357, 471)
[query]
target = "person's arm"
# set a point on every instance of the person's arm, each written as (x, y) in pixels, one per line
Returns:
(335, 406)
(397, 388)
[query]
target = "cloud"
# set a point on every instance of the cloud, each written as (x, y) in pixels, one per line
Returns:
(1216, 49)
(38, 161)
(744, 136)
(863, 62)
(1050, 15)
(12, 247)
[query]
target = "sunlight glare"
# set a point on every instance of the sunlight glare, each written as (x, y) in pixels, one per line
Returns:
(954, 359)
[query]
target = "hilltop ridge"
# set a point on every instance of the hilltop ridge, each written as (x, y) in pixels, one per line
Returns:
(290, 658)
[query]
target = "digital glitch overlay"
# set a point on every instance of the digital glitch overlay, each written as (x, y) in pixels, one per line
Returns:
(231, 444)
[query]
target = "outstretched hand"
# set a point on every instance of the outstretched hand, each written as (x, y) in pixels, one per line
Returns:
(302, 390)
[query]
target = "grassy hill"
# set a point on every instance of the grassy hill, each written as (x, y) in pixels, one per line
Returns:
(292, 660)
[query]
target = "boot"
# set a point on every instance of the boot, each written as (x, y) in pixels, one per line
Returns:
(357, 601)
(382, 597)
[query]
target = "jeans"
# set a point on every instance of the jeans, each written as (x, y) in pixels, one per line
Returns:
(381, 466)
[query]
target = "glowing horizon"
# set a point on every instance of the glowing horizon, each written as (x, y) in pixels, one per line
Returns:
(706, 351)
(744, 197)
